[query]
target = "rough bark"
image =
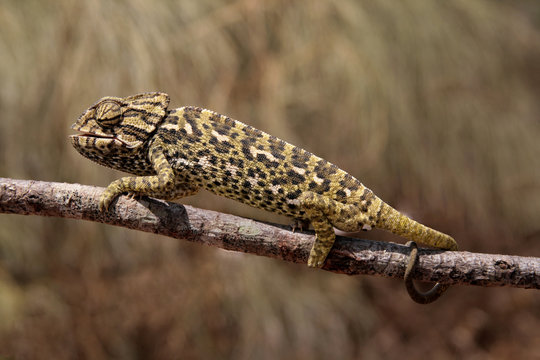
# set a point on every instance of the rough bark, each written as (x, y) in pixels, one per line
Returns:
(349, 256)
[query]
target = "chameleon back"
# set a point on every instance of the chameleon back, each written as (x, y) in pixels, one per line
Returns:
(237, 161)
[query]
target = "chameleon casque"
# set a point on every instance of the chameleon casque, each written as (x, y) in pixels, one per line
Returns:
(175, 153)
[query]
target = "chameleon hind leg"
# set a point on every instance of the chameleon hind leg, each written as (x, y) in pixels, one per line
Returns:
(316, 208)
(325, 213)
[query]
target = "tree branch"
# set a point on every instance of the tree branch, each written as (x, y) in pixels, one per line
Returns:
(349, 256)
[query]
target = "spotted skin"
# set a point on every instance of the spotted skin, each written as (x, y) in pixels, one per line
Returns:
(174, 153)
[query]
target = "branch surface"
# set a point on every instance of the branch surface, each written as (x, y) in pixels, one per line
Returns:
(349, 256)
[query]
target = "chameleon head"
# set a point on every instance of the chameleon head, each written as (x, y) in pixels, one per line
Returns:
(115, 124)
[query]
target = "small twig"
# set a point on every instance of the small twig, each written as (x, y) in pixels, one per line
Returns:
(349, 256)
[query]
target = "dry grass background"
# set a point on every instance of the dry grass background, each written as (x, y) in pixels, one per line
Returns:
(434, 105)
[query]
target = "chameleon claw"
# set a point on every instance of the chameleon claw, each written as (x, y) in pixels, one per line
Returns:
(103, 205)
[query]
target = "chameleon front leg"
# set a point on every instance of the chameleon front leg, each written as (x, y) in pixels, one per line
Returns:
(161, 186)
(180, 190)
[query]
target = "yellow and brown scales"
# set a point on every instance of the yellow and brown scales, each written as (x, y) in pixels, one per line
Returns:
(174, 153)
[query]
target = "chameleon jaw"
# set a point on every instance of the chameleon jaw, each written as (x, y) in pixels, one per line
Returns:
(87, 135)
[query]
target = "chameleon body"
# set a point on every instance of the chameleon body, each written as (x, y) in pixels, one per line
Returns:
(175, 153)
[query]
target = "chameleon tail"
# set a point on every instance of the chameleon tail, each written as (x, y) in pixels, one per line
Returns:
(399, 224)
(392, 220)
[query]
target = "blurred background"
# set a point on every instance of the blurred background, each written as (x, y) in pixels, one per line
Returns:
(433, 105)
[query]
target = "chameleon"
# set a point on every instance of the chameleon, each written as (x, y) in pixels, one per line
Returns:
(175, 153)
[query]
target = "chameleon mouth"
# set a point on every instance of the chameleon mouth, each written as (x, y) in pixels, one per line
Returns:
(87, 134)
(84, 135)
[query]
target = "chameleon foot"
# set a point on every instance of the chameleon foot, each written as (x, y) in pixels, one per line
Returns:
(420, 297)
(108, 196)
(318, 255)
(105, 201)
(315, 261)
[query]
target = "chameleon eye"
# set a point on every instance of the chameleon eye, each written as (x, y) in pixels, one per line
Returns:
(108, 113)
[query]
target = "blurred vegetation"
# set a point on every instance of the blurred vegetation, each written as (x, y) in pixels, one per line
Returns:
(433, 105)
